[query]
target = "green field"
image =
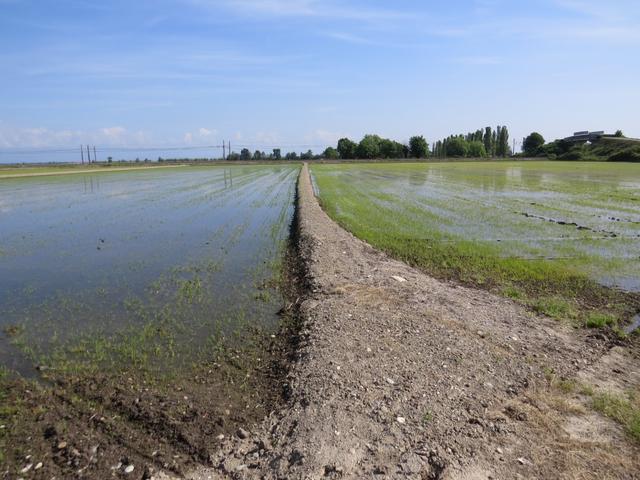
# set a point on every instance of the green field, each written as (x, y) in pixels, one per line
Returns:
(562, 237)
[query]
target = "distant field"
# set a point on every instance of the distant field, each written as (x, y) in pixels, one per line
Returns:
(28, 171)
(546, 232)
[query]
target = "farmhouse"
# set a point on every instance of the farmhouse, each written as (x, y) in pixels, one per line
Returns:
(584, 136)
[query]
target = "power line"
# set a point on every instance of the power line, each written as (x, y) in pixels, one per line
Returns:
(106, 148)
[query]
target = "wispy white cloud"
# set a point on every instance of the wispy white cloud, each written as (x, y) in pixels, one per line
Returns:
(306, 8)
(479, 60)
(611, 11)
(374, 39)
(201, 135)
(325, 137)
(350, 38)
(41, 137)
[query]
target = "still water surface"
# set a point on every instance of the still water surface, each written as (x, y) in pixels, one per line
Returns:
(192, 249)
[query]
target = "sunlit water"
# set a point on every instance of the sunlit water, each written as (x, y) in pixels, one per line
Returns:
(586, 215)
(193, 248)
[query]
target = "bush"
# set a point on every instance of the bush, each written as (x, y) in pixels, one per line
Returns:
(626, 155)
(573, 155)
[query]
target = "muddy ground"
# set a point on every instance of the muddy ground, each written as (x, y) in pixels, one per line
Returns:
(394, 375)
(126, 425)
(136, 425)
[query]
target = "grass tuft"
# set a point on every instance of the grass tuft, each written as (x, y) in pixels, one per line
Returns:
(625, 411)
(601, 320)
(554, 307)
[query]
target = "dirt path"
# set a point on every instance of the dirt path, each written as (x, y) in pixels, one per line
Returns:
(403, 376)
(85, 170)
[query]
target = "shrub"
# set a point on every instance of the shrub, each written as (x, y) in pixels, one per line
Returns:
(626, 155)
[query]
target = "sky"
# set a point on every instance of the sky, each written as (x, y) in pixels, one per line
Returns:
(134, 74)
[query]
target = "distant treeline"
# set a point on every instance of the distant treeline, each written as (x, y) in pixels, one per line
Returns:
(483, 143)
(370, 147)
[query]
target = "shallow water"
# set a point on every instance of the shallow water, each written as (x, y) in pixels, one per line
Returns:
(586, 215)
(191, 250)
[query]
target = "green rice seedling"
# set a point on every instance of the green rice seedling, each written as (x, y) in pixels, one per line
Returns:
(520, 229)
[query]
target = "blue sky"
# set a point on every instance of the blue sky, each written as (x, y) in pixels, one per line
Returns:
(306, 72)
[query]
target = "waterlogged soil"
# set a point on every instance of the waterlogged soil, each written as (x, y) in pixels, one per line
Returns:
(138, 267)
(144, 317)
(585, 215)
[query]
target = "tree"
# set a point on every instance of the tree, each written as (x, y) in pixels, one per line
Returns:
(494, 143)
(308, 155)
(291, 156)
(245, 154)
(277, 155)
(532, 144)
(257, 155)
(369, 147)
(486, 139)
(347, 148)
(619, 134)
(418, 147)
(331, 154)
(476, 149)
(110, 159)
(457, 147)
(391, 149)
(502, 145)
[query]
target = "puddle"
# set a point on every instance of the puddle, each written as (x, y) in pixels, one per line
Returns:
(633, 326)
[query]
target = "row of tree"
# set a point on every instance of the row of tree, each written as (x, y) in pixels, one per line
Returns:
(481, 143)
(374, 146)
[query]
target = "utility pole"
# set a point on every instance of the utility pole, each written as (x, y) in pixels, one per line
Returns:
(95, 159)
(224, 155)
(81, 154)
(229, 147)
(88, 154)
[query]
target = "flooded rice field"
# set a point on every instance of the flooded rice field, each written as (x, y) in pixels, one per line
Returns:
(145, 268)
(584, 215)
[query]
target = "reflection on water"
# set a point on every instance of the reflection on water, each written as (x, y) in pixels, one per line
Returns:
(193, 247)
(584, 214)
